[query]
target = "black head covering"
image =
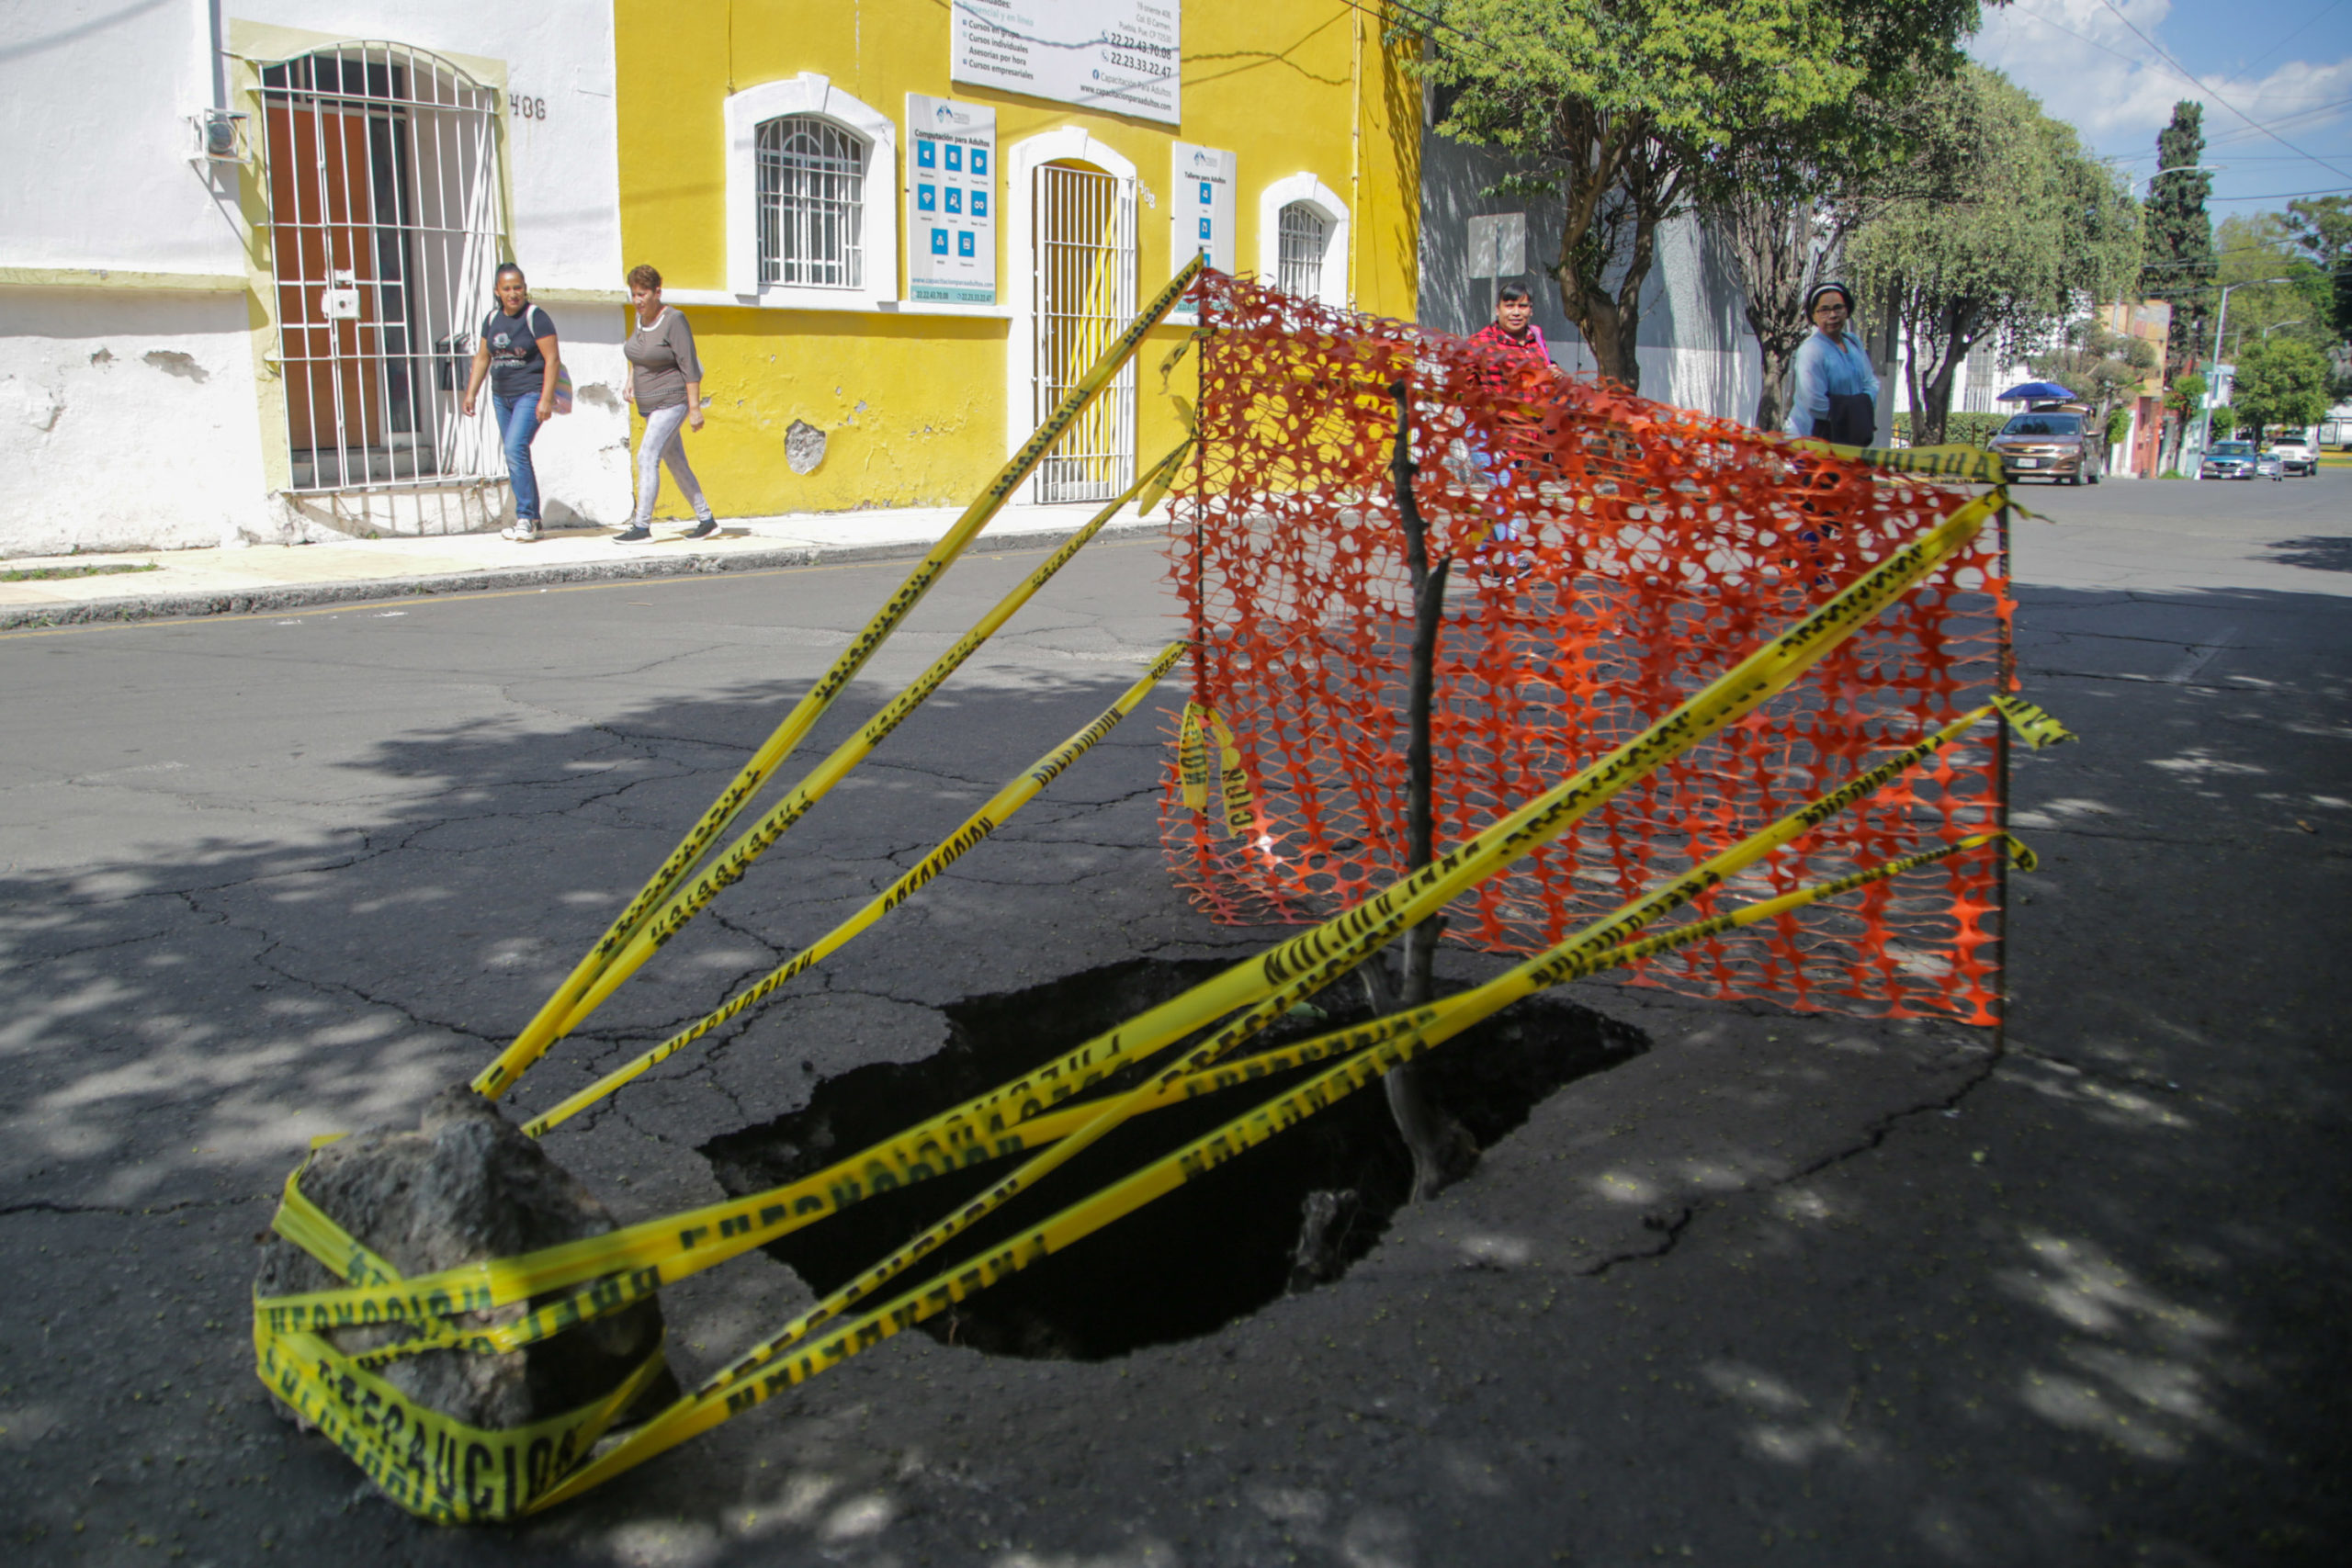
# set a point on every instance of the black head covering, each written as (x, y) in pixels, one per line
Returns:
(1826, 286)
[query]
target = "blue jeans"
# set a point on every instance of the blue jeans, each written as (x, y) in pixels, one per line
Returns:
(518, 423)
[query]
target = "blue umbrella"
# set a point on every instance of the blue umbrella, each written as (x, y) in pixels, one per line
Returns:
(2035, 391)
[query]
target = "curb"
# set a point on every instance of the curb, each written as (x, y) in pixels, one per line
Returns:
(252, 601)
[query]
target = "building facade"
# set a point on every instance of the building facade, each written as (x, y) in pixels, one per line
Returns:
(236, 302)
(900, 230)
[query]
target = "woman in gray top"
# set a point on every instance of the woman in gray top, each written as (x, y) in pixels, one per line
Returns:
(665, 383)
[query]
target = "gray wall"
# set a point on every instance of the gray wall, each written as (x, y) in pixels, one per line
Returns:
(1695, 348)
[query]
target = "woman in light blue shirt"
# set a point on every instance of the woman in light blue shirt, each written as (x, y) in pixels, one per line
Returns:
(1835, 394)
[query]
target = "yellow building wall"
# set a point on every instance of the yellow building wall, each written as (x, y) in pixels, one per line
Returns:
(913, 406)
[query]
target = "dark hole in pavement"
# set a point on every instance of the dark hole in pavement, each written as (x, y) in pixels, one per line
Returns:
(1289, 1214)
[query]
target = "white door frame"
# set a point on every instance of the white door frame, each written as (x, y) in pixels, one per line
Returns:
(1021, 160)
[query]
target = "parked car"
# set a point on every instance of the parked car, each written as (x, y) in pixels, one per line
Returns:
(2230, 460)
(2046, 443)
(2295, 456)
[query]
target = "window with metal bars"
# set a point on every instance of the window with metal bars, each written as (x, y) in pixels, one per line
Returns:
(812, 203)
(1305, 235)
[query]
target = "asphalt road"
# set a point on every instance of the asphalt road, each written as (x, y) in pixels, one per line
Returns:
(1775, 1289)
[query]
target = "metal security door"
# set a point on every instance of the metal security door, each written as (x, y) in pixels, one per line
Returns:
(1085, 250)
(385, 230)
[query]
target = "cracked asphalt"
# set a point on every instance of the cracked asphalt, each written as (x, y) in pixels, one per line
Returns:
(1776, 1290)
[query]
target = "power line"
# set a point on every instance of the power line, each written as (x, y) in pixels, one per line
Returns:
(2290, 38)
(2217, 98)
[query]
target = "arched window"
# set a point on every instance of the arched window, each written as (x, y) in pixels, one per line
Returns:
(1303, 239)
(812, 203)
(811, 211)
(1303, 235)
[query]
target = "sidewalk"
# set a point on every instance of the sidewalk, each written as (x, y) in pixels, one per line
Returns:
(149, 584)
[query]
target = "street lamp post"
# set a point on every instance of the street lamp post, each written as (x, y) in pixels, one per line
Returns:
(2205, 417)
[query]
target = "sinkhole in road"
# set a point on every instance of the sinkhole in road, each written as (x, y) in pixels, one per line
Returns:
(1291, 1213)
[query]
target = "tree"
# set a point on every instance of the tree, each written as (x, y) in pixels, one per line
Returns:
(2033, 232)
(2320, 230)
(1632, 111)
(2281, 383)
(2178, 264)
(2247, 250)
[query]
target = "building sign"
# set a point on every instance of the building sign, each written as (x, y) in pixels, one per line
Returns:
(1203, 179)
(1118, 56)
(950, 201)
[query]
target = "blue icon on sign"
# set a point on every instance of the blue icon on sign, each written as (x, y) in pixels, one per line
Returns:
(979, 160)
(1208, 194)
(954, 198)
(979, 204)
(939, 242)
(926, 154)
(926, 199)
(1204, 227)
(954, 156)
(963, 242)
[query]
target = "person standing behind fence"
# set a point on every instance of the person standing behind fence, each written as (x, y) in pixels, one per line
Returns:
(517, 349)
(665, 383)
(1835, 394)
(1515, 339)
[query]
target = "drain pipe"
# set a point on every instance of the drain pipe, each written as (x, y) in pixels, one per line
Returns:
(219, 124)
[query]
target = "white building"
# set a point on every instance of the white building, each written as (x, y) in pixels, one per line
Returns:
(243, 245)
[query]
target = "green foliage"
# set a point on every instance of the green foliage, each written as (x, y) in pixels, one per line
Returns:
(1961, 429)
(2281, 383)
(2026, 229)
(2119, 425)
(2186, 393)
(2178, 263)
(1632, 111)
(2321, 232)
(2261, 246)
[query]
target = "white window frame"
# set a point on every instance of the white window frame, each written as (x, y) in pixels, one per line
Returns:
(809, 94)
(1305, 187)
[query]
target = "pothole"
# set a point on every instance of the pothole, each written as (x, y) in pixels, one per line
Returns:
(1290, 1214)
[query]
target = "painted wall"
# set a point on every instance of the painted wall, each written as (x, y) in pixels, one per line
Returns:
(1694, 346)
(912, 403)
(122, 250)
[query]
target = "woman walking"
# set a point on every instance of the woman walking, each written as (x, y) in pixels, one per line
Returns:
(665, 383)
(517, 350)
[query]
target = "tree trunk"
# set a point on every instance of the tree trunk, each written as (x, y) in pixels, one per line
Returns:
(1442, 1152)
(1772, 403)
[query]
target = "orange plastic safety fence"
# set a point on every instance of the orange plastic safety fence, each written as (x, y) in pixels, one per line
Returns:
(1610, 557)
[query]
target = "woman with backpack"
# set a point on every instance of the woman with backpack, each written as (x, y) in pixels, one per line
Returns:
(517, 350)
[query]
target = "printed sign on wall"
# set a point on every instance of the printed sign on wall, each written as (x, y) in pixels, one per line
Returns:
(1203, 179)
(1118, 56)
(950, 201)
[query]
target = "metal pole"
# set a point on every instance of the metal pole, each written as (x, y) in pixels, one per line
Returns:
(2205, 414)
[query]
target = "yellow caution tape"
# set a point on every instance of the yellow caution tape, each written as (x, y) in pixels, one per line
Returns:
(969, 832)
(1193, 757)
(2032, 725)
(1969, 465)
(754, 1378)
(543, 1027)
(988, 1125)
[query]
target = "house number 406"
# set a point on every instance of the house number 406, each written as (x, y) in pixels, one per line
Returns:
(521, 107)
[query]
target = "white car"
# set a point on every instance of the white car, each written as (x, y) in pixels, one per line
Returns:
(2294, 455)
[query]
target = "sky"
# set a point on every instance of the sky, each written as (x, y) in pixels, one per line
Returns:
(2284, 64)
